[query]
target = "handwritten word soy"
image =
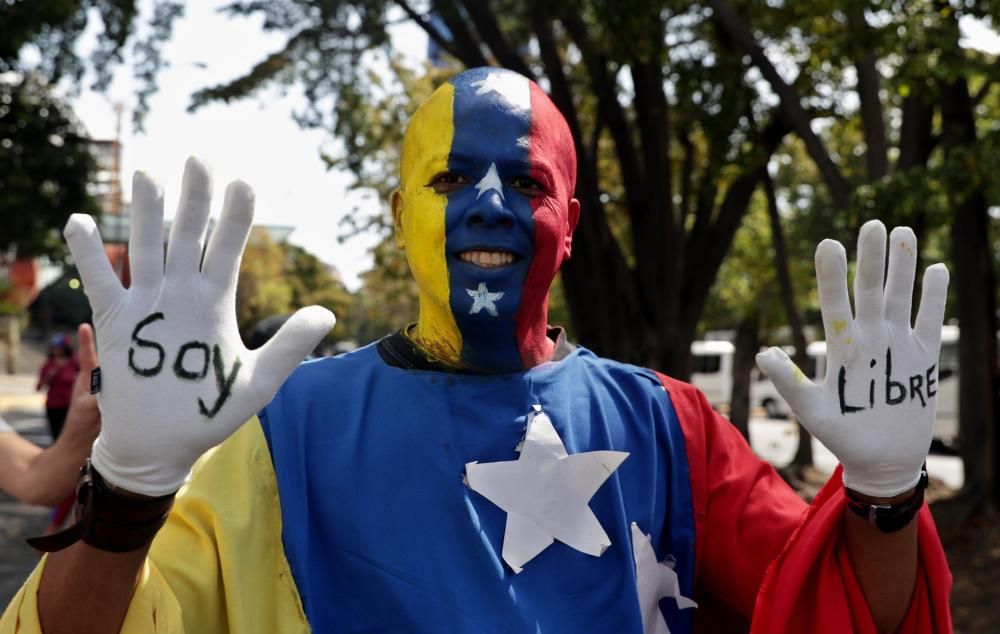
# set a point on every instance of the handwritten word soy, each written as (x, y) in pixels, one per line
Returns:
(190, 364)
(895, 392)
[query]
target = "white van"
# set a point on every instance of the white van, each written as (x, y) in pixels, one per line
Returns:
(712, 371)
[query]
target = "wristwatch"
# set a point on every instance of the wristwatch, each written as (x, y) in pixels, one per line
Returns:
(889, 518)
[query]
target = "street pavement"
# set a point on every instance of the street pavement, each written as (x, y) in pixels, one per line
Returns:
(24, 409)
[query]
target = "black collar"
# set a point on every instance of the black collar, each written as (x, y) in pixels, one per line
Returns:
(399, 351)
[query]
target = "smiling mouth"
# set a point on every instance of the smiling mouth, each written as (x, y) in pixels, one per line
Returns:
(488, 259)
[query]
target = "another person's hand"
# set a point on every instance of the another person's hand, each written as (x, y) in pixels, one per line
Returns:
(875, 409)
(83, 420)
(175, 377)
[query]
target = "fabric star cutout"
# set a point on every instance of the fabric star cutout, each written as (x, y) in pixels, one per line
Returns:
(546, 493)
(482, 299)
(512, 87)
(654, 580)
(490, 181)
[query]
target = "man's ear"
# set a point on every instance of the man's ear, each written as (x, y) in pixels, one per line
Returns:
(572, 217)
(396, 200)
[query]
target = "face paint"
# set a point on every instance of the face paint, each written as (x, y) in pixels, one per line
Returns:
(486, 216)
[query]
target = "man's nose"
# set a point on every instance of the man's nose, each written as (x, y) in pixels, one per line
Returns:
(490, 210)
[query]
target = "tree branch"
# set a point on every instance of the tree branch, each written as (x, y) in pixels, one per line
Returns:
(873, 121)
(733, 25)
(428, 27)
(486, 24)
(465, 43)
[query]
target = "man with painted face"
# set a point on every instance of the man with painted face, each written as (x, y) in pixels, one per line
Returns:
(476, 472)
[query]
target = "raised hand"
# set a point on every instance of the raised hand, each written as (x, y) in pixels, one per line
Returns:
(875, 409)
(176, 378)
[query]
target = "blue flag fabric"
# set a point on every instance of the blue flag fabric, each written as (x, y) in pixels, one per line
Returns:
(382, 534)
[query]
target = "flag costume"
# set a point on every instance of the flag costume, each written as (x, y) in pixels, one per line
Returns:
(489, 480)
(378, 532)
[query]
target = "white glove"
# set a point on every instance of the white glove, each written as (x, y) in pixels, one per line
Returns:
(176, 379)
(875, 409)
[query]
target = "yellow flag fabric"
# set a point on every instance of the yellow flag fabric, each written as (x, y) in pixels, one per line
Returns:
(218, 564)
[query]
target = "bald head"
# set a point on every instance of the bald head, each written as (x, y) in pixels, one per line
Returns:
(493, 101)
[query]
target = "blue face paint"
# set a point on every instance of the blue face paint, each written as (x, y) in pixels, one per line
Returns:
(492, 122)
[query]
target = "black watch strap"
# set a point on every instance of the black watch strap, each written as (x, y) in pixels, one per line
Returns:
(889, 518)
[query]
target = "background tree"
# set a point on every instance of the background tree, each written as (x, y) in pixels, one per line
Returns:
(910, 69)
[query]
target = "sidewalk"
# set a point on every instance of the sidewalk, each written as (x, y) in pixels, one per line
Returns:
(24, 409)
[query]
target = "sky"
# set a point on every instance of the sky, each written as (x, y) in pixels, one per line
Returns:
(254, 139)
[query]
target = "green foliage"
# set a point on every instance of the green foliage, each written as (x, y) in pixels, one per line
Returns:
(45, 164)
(277, 278)
(262, 290)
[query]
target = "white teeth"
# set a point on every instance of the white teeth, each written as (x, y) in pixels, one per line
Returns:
(487, 259)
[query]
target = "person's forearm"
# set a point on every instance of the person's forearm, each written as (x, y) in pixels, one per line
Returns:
(52, 473)
(86, 590)
(885, 565)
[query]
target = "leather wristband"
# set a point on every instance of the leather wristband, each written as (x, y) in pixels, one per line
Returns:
(889, 518)
(107, 519)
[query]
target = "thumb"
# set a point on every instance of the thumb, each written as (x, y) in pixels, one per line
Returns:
(788, 379)
(86, 352)
(290, 345)
(86, 358)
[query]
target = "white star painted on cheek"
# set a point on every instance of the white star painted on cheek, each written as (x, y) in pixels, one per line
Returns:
(490, 181)
(482, 299)
(654, 580)
(546, 493)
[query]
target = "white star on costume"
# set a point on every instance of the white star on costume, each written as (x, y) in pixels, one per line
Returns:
(654, 580)
(490, 181)
(512, 87)
(482, 298)
(546, 493)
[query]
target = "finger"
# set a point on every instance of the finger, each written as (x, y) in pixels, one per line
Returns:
(870, 274)
(289, 346)
(86, 357)
(187, 236)
(99, 282)
(831, 280)
(86, 351)
(225, 248)
(899, 282)
(788, 379)
(145, 245)
(933, 299)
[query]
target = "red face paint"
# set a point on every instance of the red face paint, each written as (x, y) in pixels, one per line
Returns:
(553, 164)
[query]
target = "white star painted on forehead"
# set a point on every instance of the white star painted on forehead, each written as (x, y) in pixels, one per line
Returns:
(654, 580)
(482, 298)
(546, 493)
(510, 86)
(490, 181)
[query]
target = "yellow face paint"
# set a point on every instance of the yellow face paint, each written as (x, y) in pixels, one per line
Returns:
(421, 222)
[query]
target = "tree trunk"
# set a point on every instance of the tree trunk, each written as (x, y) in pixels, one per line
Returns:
(973, 277)
(803, 453)
(747, 344)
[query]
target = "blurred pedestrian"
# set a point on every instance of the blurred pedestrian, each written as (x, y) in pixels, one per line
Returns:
(46, 476)
(58, 374)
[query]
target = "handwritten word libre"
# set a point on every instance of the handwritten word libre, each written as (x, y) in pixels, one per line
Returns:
(895, 391)
(194, 349)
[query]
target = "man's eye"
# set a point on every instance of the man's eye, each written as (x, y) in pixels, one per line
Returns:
(526, 185)
(447, 182)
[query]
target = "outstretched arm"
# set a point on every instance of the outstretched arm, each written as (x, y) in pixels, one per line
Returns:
(176, 381)
(46, 476)
(875, 409)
